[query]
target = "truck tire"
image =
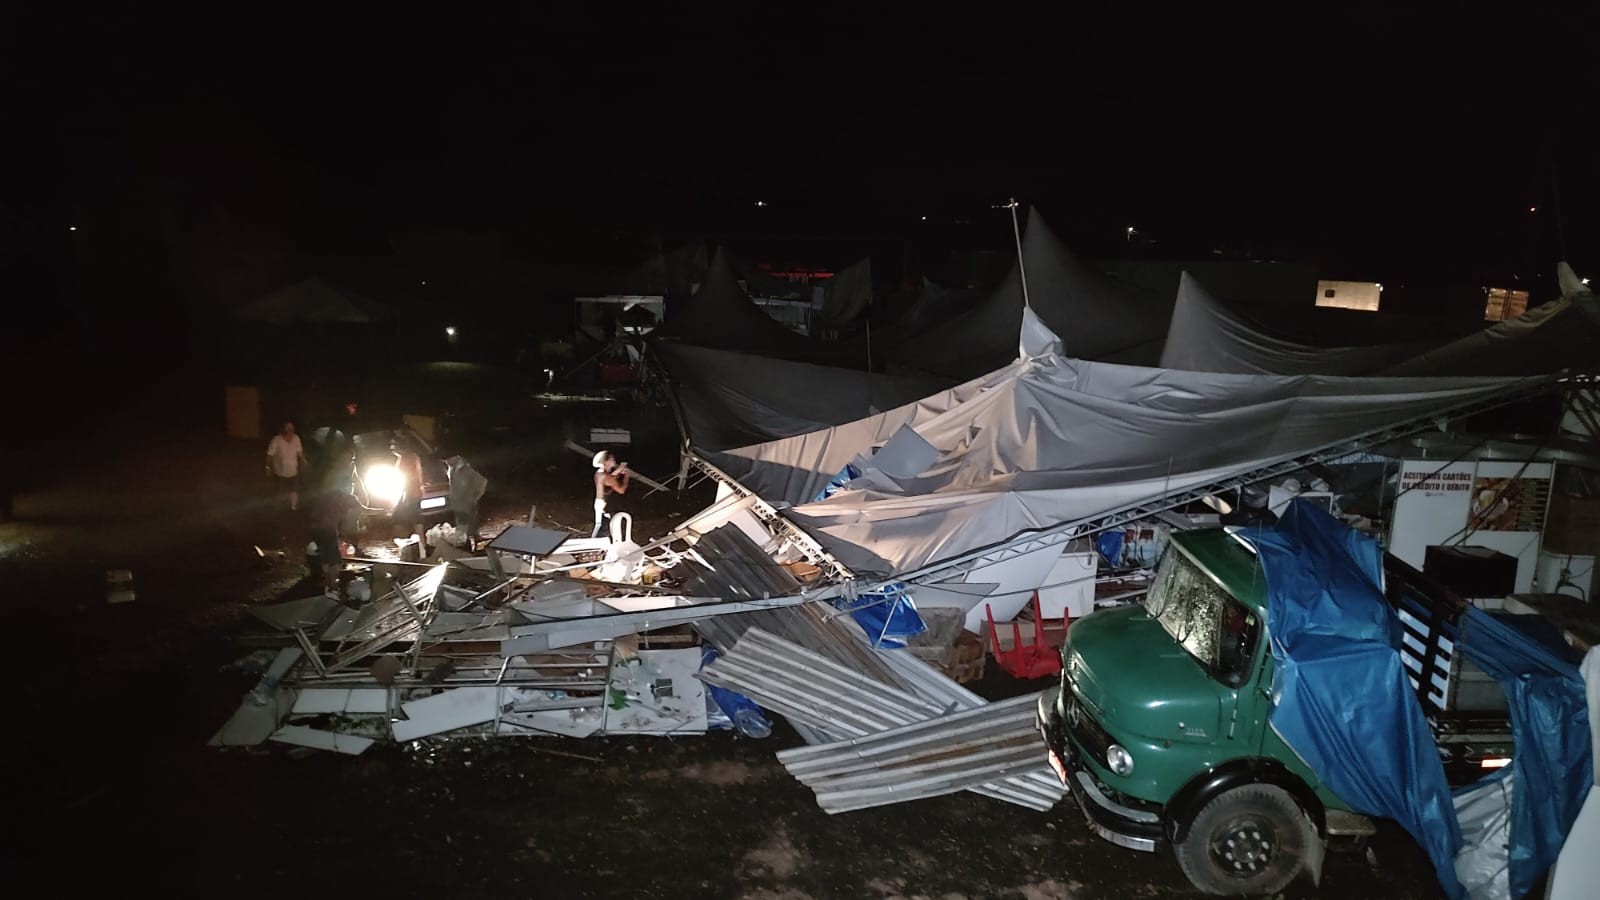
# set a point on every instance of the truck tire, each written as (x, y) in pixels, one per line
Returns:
(1251, 840)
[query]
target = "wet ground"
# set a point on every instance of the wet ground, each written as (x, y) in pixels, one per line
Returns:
(109, 784)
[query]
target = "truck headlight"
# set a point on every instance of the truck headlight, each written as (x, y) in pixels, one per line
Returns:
(385, 484)
(1119, 760)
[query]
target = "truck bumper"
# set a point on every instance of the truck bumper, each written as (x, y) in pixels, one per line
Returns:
(1120, 824)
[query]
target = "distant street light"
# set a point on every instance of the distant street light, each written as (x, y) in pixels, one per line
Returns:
(1533, 209)
(449, 331)
(761, 203)
(72, 228)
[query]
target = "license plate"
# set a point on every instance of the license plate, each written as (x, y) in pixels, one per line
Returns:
(1056, 764)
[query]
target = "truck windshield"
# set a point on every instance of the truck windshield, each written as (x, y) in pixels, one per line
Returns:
(1203, 618)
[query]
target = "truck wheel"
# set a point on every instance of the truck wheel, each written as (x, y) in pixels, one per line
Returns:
(1250, 840)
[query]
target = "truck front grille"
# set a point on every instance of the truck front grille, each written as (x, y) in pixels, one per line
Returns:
(1085, 730)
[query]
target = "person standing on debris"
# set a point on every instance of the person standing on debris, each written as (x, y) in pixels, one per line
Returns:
(610, 477)
(285, 456)
(408, 512)
(466, 489)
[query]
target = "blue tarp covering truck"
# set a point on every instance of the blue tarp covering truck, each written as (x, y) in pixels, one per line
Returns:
(1282, 683)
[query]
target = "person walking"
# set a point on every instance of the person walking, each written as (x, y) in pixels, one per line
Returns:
(285, 457)
(610, 477)
(466, 489)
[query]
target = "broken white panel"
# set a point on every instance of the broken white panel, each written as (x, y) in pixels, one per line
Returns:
(640, 604)
(448, 711)
(746, 521)
(577, 723)
(556, 600)
(470, 626)
(301, 736)
(664, 696)
(717, 514)
(347, 701)
(511, 564)
(586, 545)
(454, 598)
(1069, 588)
(542, 636)
(307, 612)
(251, 724)
(1018, 577)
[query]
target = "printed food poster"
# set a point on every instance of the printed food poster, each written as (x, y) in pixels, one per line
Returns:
(1508, 504)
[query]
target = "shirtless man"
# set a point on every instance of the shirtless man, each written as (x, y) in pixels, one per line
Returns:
(612, 477)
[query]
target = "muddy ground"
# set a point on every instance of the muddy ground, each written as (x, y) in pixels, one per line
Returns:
(109, 784)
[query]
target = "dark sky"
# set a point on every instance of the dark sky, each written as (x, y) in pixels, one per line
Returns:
(1374, 143)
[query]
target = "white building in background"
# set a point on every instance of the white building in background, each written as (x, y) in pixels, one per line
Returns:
(1350, 294)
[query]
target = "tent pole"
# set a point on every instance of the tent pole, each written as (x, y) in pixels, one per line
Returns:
(1022, 268)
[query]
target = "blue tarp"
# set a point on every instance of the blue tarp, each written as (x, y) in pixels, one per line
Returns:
(1551, 766)
(888, 615)
(1341, 689)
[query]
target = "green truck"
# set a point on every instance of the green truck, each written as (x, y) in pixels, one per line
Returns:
(1159, 726)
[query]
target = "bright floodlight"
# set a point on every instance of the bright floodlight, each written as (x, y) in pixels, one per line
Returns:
(384, 484)
(449, 331)
(72, 228)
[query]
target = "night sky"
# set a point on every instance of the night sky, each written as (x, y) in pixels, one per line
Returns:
(198, 157)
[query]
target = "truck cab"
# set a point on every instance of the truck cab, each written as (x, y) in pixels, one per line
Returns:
(1160, 726)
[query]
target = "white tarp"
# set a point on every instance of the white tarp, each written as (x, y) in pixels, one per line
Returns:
(1049, 439)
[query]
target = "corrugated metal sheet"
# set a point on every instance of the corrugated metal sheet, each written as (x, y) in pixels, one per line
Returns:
(930, 758)
(740, 569)
(840, 703)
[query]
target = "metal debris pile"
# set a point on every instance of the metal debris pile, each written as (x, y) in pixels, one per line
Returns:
(553, 634)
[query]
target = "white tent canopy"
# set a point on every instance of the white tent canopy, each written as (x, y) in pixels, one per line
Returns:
(1050, 439)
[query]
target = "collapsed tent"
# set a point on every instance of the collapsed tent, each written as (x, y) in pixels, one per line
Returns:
(733, 399)
(1562, 334)
(313, 301)
(1050, 439)
(720, 316)
(1097, 317)
(1208, 335)
(847, 293)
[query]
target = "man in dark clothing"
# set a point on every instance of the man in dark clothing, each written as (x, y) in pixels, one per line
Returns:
(330, 515)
